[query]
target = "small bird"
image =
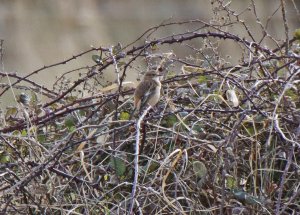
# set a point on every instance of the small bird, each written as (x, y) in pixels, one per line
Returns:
(148, 91)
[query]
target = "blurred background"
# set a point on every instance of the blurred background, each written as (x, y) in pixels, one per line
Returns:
(38, 33)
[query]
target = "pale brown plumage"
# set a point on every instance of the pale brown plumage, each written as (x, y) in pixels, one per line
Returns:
(148, 91)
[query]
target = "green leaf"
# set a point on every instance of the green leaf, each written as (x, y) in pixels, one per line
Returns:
(124, 116)
(97, 59)
(153, 166)
(169, 121)
(231, 182)
(297, 34)
(71, 99)
(153, 47)
(121, 63)
(70, 122)
(24, 98)
(198, 128)
(118, 165)
(291, 92)
(117, 48)
(199, 169)
(72, 128)
(41, 138)
(193, 69)
(72, 196)
(24, 133)
(4, 157)
(11, 111)
(202, 79)
(150, 167)
(16, 133)
(34, 99)
(246, 197)
(250, 129)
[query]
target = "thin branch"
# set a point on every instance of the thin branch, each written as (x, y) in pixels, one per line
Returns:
(136, 159)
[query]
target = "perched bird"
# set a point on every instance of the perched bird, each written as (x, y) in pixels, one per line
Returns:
(148, 91)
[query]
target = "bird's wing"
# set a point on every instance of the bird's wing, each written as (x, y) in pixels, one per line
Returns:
(149, 90)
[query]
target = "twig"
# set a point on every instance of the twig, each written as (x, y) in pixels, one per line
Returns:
(286, 28)
(164, 184)
(136, 158)
(282, 181)
(278, 129)
(295, 195)
(52, 65)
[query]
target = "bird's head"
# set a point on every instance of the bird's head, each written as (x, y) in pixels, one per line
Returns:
(152, 74)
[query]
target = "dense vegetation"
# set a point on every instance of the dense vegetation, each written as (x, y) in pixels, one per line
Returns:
(224, 138)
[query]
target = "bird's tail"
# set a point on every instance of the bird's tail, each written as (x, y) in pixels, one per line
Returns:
(132, 113)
